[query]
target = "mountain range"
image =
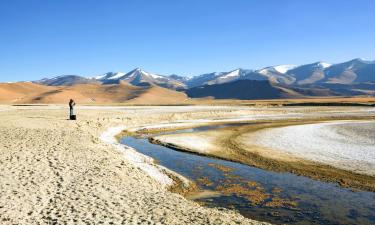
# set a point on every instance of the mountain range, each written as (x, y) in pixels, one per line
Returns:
(354, 77)
(350, 72)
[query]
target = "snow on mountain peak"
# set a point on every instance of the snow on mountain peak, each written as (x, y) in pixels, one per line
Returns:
(155, 76)
(263, 71)
(116, 76)
(139, 71)
(284, 68)
(234, 73)
(108, 76)
(363, 60)
(99, 77)
(324, 65)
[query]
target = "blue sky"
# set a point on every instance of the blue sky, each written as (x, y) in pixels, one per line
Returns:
(44, 38)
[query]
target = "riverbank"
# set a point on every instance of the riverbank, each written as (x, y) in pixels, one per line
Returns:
(275, 197)
(60, 171)
(239, 145)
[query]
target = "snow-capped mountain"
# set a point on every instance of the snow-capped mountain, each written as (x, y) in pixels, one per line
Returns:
(284, 68)
(139, 77)
(277, 74)
(182, 79)
(202, 79)
(65, 80)
(223, 77)
(110, 76)
(351, 72)
(309, 73)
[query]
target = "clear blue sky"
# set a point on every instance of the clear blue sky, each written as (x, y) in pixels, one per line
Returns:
(44, 38)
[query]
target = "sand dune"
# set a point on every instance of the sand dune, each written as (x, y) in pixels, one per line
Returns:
(18, 92)
(27, 92)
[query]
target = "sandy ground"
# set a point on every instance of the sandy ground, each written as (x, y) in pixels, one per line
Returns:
(55, 171)
(349, 145)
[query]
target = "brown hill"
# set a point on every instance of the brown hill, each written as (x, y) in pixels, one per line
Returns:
(159, 95)
(18, 92)
(25, 92)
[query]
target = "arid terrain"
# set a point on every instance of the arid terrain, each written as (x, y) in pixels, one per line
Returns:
(56, 170)
(60, 171)
(187, 112)
(124, 93)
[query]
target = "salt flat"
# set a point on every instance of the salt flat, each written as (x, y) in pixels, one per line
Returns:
(348, 145)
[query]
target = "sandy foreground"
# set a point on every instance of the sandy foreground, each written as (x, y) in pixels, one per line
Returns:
(72, 172)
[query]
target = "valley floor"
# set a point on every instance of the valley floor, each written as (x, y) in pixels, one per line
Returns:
(56, 170)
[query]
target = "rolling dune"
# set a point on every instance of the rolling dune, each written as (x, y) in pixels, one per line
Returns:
(18, 92)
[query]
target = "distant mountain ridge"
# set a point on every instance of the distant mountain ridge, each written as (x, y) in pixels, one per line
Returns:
(352, 78)
(136, 77)
(66, 80)
(353, 71)
(350, 72)
(139, 77)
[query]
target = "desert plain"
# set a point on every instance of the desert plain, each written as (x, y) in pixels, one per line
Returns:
(57, 171)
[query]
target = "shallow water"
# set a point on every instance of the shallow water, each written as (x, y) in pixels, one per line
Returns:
(264, 195)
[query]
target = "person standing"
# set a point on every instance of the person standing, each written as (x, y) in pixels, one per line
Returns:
(71, 107)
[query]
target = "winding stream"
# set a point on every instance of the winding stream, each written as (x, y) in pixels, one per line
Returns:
(263, 195)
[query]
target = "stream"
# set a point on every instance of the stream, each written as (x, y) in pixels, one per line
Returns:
(262, 195)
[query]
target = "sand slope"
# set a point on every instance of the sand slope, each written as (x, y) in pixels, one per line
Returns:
(18, 92)
(159, 95)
